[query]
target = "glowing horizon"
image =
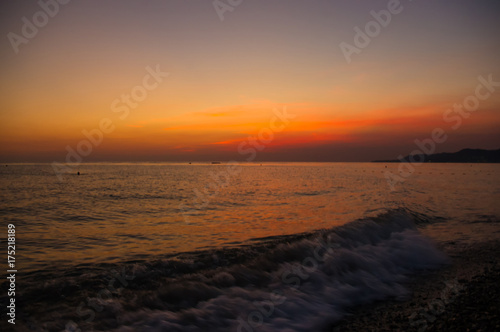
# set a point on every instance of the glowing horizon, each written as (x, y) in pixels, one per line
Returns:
(226, 79)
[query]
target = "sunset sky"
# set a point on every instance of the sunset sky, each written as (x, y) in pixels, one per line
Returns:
(227, 78)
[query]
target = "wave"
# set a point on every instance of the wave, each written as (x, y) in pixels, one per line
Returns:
(301, 282)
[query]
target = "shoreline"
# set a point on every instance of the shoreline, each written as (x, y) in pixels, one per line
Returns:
(462, 296)
(473, 262)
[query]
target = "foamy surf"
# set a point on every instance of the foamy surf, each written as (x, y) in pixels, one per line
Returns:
(298, 283)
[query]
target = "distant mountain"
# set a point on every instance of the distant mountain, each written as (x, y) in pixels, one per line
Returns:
(462, 156)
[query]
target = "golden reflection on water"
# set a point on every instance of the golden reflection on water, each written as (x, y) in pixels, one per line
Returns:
(125, 212)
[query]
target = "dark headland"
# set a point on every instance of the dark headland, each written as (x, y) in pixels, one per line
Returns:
(462, 156)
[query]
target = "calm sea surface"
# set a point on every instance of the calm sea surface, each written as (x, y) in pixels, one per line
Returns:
(120, 212)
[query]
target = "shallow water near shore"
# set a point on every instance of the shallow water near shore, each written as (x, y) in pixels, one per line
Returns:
(197, 247)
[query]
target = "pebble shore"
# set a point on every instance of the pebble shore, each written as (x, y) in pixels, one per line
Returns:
(463, 296)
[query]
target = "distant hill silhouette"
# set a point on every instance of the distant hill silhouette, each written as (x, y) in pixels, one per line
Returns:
(462, 156)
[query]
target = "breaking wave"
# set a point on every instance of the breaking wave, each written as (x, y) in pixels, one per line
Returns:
(300, 282)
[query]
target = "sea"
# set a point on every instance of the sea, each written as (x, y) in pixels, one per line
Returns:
(230, 247)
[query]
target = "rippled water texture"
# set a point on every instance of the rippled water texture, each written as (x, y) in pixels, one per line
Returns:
(119, 212)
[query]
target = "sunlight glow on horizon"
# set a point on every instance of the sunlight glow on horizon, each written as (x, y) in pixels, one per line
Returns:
(225, 79)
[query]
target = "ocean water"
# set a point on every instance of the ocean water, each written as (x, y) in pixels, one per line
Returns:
(253, 247)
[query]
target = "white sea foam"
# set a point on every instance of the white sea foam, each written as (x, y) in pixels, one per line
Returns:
(303, 285)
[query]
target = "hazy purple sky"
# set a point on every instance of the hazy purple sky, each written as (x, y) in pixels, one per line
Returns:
(226, 77)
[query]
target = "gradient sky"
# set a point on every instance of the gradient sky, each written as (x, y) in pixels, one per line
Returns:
(226, 77)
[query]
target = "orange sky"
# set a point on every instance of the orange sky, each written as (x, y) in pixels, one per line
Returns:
(225, 78)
